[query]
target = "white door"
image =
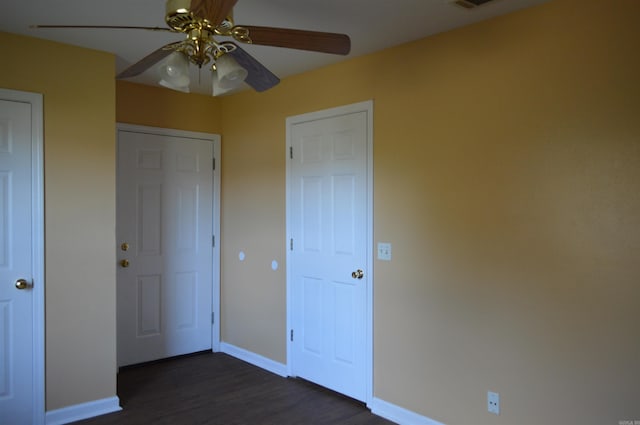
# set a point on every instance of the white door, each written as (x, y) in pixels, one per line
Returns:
(20, 368)
(328, 251)
(165, 246)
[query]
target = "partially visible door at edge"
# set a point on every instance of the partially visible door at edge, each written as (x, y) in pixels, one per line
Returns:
(329, 229)
(164, 246)
(16, 305)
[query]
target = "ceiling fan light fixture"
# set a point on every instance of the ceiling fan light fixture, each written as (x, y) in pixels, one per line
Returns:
(174, 72)
(229, 73)
(201, 21)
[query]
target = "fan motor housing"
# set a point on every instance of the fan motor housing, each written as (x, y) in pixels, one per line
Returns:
(178, 15)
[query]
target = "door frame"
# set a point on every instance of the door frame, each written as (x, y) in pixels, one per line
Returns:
(215, 273)
(37, 244)
(367, 107)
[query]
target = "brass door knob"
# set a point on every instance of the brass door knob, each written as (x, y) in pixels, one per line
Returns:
(21, 284)
(124, 263)
(358, 274)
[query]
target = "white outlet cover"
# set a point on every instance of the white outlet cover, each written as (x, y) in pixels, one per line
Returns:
(493, 402)
(384, 251)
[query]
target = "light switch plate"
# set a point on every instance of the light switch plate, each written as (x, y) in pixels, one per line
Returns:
(493, 402)
(384, 251)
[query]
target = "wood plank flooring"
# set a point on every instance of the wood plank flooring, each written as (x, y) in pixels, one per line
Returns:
(214, 388)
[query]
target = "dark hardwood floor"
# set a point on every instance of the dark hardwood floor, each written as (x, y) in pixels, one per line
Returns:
(214, 388)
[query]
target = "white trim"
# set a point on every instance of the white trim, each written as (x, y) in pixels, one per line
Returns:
(37, 229)
(366, 106)
(82, 411)
(370, 256)
(168, 132)
(255, 359)
(215, 139)
(217, 173)
(379, 407)
(398, 414)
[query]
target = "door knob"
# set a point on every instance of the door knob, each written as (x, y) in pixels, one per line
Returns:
(358, 274)
(21, 284)
(124, 263)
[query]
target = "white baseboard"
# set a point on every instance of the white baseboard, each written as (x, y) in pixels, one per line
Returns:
(398, 414)
(81, 411)
(254, 359)
(379, 407)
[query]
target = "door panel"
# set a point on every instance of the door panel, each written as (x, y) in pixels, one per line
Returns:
(344, 298)
(16, 262)
(148, 296)
(165, 214)
(344, 215)
(329, 228)
(312, 308)
(149, 219)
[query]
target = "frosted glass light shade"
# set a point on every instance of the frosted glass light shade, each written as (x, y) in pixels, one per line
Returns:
(230, 74)
(217, 89)
(174, 73)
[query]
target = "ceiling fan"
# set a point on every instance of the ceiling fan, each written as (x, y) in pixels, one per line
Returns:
(204, 22)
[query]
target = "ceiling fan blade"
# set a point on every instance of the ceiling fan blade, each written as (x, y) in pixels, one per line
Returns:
(326, 42)
(102, 27)
(214, 11)
(149, 60)
(259, 77)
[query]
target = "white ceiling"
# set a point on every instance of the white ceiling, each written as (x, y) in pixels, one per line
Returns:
(372, 25)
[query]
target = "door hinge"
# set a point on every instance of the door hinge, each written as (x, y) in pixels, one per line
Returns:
(213, 241)
(291, 152)
(213, 318)
(213, 160)
(291, 335)
(291, 244)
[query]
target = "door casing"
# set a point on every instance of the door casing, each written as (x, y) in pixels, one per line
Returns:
(367, 107)
(37, 227)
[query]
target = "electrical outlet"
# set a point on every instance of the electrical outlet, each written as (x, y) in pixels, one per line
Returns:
(493, 402)
(384, 251)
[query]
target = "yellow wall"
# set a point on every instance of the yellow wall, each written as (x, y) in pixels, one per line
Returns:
(79, 158)
(507, 173)
(159, 107)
